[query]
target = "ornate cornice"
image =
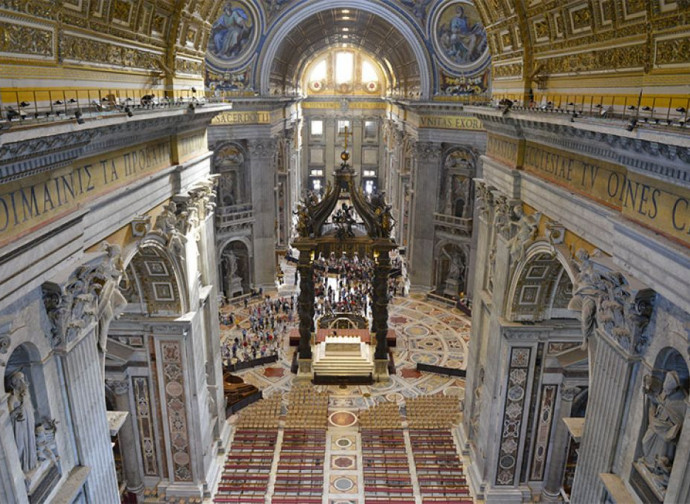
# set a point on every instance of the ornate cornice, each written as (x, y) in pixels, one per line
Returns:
(261, 148)
(652, 152)
(119, 387)
(428, 152)
(59, 145)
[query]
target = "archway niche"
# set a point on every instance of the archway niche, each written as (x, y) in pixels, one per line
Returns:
(665, 391)
(541, 288)
(451, 268)
(229, 162)
(235, 269)
(153, 283)
(31, 422)
(456, 188)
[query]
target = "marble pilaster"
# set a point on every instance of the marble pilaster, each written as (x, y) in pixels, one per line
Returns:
(126, 435)
(426, 184)
(610, 378)
(262, 181)
(559, 448)
(84, 384)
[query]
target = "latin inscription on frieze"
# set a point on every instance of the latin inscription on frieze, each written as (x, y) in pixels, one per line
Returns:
(503, 149)
(657, 205)
(191, 146)
(28, 203)
(451, 122)
(250, 117)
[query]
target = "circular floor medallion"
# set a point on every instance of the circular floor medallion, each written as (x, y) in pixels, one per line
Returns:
(343, 484)
(344, 442)
(342, 419)
(416, 331)
(394, 397)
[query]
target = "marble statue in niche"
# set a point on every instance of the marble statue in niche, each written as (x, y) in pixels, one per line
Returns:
(455, 278)
(229, 162)
(111, 302)
(23, 423)
(666, 404)
(588, 289)
(231, 32)
(456, 267)
(232, 281)
(458, 170)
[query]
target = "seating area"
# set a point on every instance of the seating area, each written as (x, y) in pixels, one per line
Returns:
(247, 469)
(439, 470)
(433, 412)
(385, 466)
(382, 416)
(262, 414)
(308, 408)
(299, 478)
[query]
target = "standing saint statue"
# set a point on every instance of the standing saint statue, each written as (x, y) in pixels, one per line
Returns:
(666, 413)
(588, 289)
(23, 423)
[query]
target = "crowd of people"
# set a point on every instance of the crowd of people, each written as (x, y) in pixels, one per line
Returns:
(269, 321)
(351, 284)
(342, 284)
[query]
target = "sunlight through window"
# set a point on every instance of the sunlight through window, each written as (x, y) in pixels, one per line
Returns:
(344, 66)
(319, 71)
(368, 72)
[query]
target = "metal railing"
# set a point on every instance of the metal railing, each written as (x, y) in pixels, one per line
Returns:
(41, 106)
(233, 215)
(459, 223)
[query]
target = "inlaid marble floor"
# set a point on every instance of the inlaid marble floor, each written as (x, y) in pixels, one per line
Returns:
(427, 332)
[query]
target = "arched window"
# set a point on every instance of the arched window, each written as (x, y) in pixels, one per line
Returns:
(344, 67)
(345, 71)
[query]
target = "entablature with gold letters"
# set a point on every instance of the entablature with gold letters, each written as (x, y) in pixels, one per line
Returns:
(51, 172)
(645, 176)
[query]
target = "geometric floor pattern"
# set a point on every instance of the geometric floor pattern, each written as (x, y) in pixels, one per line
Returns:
(427, 332)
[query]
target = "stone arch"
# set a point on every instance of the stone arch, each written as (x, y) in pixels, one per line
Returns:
(541, 286)
(302, 12)
(156, 278)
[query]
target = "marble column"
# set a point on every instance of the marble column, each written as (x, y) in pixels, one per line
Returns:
(126, 435)
(610, 378)
(426, 188)
(85, 392)
(559, 448)
(263, 201)
(305, 303)
(380, 304)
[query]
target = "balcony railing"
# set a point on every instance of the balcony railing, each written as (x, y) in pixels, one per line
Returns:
(459, 223)
(233, 215)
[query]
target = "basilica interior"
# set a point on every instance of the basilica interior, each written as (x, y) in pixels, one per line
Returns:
(344, 251)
